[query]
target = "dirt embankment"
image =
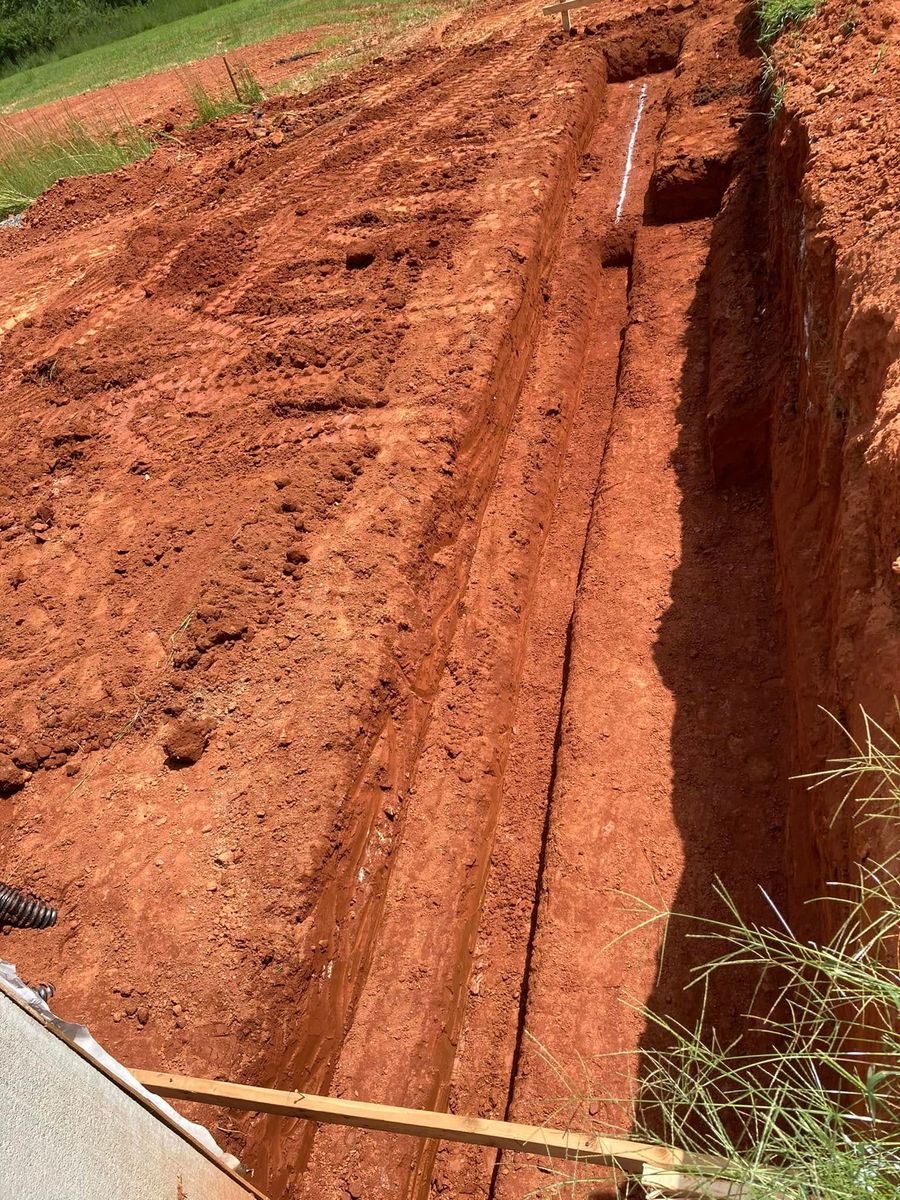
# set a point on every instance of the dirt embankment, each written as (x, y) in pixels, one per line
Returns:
(834, 216)
(416, 526)
(805, 370)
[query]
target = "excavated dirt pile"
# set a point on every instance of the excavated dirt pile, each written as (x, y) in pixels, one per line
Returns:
(431, 514)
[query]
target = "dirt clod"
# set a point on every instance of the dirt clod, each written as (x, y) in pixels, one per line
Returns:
(185, 740)
(12, 779)
(358, 260)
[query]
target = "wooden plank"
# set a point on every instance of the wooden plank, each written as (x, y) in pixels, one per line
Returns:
(563, 6)
(656, 1165)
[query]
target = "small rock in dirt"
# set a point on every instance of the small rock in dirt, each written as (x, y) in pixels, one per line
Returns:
(185, 740)
(143, 1015)
(291, 502)
(228, 630)
(11, 778)
(359, 259)
(276, 138)
(26, 758)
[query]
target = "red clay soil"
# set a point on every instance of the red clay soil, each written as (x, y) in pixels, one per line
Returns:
(835, 246)
(390, 585)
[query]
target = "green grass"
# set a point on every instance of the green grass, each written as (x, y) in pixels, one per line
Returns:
(214, 31)
(244, 82)
(776, 15)
(32, 159)
(59, 28)
(805, 1105)
(774, 85)
(209, 105)
(817, 1113)
(242, 92)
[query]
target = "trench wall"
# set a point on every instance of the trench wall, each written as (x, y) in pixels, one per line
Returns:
(829, 399)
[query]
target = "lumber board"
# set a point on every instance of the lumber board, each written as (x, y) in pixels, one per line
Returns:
(564, 6)
(659, 1166)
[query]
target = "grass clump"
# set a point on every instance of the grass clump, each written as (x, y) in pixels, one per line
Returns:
(210, 105)
(32, 160)
(242, 91)
(774, 85)
(776, 15)
(816, 1114)
(244, 83)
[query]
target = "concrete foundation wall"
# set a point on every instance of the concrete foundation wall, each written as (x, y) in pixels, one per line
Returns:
(68, 1132)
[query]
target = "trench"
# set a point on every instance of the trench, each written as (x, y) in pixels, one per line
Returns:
(606, 722)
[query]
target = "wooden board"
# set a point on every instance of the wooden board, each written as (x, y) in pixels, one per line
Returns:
(563, 6)
(657, 1166)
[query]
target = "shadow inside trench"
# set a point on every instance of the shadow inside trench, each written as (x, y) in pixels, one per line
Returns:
(719, 653)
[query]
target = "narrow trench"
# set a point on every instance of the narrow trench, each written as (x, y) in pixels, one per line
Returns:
(606, 723)
(703, 658)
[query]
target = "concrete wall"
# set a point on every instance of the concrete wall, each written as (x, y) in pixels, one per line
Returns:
(68, 1132)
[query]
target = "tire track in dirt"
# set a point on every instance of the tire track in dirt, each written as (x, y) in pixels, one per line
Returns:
(224, 447)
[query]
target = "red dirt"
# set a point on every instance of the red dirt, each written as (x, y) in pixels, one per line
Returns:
(390, 581)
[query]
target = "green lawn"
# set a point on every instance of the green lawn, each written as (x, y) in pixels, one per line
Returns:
(239, 23)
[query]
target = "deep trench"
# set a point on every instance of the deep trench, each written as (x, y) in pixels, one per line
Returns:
(714, 645)
(717, 649)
